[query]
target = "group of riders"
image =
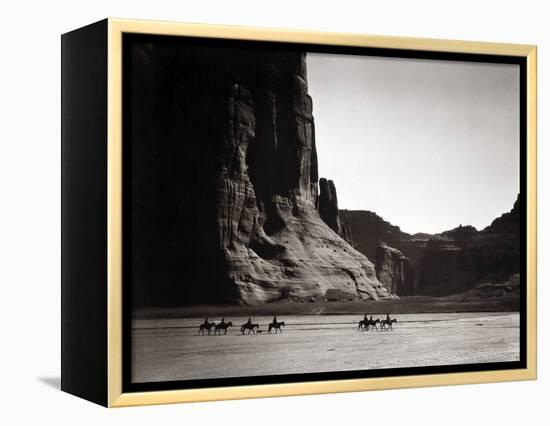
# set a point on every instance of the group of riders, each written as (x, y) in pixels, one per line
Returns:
(207, 326)
(367, 324)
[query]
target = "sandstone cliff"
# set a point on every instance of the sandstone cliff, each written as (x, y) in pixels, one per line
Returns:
(329, 212)
(369, 230)
(394, 270)
(457, 260)
(328, 205)
(225, 183)
(448, 263)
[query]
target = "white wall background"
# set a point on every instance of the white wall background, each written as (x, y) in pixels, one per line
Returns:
(30, 211)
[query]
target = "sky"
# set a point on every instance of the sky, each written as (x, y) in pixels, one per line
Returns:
(428, 145)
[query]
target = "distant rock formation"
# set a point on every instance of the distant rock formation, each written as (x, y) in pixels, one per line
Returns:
(457, 260)
(328, 210)
(507, 223)
(347, 234)
(394, 270)
(328, 205)
(225, 207)
(369, 230)
(443, 264)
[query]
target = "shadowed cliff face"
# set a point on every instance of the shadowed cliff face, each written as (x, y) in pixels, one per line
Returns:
(456, 260)
(397, 254)
(394, 270)
(328, 204)
(448, 263)
(225, 182)
(328, 210)
(368, 230)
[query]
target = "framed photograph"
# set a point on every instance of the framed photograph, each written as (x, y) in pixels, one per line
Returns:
(254, 212)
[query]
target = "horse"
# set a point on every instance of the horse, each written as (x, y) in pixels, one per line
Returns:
(363, 325)
(222, 326)
(372, 324)
(206, 326)
(250, 327)
(388, 323)
(276, 325)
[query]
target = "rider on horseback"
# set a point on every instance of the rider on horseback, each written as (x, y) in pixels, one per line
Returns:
(387, 323)
(276, 325)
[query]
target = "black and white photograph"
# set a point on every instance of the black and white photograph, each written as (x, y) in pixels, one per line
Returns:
(241, 213)
(296, 212)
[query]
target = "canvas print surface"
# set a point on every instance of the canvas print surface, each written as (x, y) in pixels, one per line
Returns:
(295, 212)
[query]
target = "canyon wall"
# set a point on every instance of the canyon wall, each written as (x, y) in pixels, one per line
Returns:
(369, 230)
(329, 212)
(225, 201)
(456, 260)
(448, 263)
(224, 183)
(394, 270)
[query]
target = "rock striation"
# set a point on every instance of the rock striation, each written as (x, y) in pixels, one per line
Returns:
(225, 189)
(347, 234)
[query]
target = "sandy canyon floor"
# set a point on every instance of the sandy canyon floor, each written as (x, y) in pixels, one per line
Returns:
(170, 349)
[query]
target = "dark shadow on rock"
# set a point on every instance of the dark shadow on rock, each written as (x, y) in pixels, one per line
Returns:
(54, 382)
